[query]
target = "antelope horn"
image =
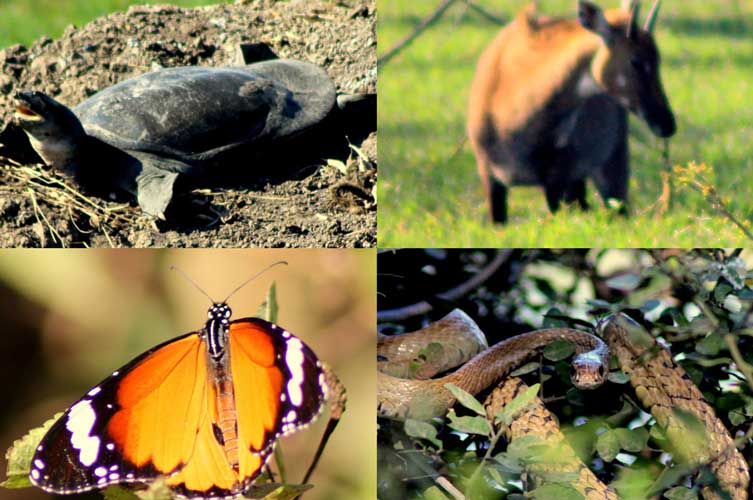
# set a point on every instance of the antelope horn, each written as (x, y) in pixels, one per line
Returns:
(635, 7)
(651, 19)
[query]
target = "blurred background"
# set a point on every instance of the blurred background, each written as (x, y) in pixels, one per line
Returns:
(72, 317)
(706, 51)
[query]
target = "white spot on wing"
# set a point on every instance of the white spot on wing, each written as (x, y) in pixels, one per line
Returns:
(110, 446)
(38, 464)
(35, 474)
(94, 391)
(80, 423)
(100, 472)
(294, 360)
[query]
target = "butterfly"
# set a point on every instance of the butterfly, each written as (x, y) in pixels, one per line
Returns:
(204, 410)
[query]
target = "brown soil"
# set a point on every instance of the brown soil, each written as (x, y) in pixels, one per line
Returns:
(320, 207)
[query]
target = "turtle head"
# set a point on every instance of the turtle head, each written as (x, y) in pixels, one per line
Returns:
(53, 130)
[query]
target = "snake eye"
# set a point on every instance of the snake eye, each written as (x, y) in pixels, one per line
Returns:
(602, 371)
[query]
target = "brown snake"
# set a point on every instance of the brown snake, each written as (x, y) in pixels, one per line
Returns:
(660, 384)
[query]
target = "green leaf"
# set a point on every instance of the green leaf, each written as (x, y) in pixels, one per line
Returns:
(466, 399)
(434, 493)
(508, 464)
(618, 377)
(422, 430)
(634, 482)
(721, 291)
(608, 445)
(650, 305)
(701, 325)
(156, 491)
(19, 455)
(729, 402)
(526, 368)
(695, 373)
(657, 434)
(669, 477)
(626, 282)
(277, 491)
(272, 307)
(633, 440)
(554, 319)
(520, 403)
(710, 345)
(494, 475)
(525, 449)
(469, 425)
(556, 492)
(559, 350)
(681, 493)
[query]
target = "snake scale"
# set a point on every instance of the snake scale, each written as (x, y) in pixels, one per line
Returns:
(662, 386)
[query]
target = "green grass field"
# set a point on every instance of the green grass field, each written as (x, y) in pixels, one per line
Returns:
(23, 21)
(430, 193)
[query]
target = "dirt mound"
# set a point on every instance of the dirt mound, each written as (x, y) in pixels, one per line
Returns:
(328, 206)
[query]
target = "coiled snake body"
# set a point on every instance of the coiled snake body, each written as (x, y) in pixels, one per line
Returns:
(660, 384)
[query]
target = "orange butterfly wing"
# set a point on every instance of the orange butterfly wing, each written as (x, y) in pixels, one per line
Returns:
(271, 369)
(153, 417)
(159, 416)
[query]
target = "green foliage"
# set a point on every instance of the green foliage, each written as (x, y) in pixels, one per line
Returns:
(518, 405)
(698, 303)
(20, 454)
(422, 430)
(556, 492)
(559, 350)
(681, 493)
(469, 425)
(466, 399)
(422, 112)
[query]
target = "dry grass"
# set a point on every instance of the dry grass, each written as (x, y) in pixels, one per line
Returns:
(46, 188)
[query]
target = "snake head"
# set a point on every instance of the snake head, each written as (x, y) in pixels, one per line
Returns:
(590, 369)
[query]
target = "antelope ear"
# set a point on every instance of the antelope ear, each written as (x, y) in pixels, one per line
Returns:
(592, 18)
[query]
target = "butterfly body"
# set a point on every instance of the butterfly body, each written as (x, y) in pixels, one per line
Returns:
(203, 410)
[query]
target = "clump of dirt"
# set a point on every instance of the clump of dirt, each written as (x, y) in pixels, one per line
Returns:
(324, 205)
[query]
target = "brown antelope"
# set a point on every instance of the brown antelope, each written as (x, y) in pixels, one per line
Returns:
(547, 104)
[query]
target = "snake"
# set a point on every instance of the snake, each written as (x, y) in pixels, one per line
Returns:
(661, 385)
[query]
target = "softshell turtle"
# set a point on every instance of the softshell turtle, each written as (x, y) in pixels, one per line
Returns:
(143, 133)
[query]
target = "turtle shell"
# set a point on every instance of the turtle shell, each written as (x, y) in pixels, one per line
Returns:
(195, 113)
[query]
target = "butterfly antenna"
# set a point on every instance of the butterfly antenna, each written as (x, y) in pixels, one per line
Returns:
(254, 277)
(188, 278)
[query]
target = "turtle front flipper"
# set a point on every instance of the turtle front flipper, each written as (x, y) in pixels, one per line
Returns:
(155, 185)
